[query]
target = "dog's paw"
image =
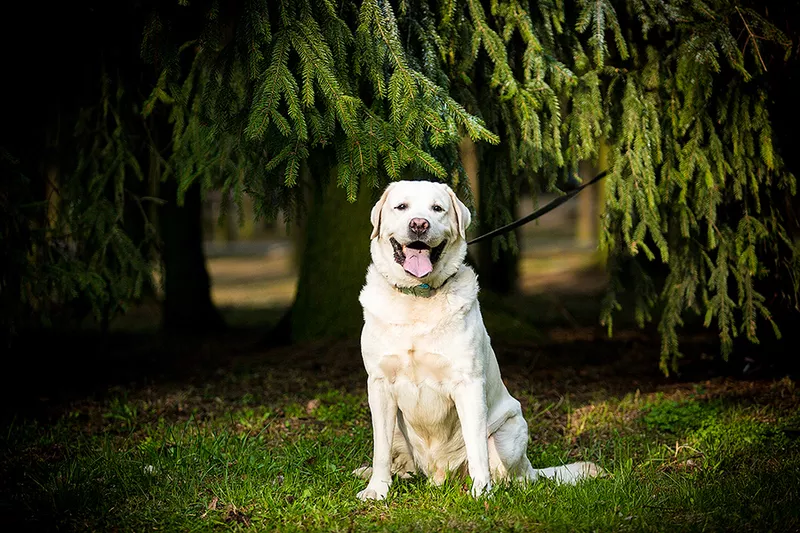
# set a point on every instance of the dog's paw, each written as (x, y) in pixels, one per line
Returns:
(592, 470)
(364, 472)
(374, 492)
(481, 488)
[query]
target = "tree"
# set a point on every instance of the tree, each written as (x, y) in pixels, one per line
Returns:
(187, 305)
(80, 175)
(376, 90)
(353, 132)
(334, 260)
(69, 159)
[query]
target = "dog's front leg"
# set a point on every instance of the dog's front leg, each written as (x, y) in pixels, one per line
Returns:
(383, 407)
(470, 400)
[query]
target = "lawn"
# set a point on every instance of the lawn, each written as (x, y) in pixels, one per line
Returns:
(237, 436)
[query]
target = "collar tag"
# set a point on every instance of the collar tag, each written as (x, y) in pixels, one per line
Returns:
(423, 290)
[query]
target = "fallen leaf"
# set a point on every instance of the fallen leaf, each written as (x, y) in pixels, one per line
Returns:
(212, 506)
(312, 405)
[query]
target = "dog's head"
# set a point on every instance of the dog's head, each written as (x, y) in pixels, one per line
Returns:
(418, 233)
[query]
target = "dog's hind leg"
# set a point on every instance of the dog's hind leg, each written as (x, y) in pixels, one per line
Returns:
(402, 458)
(363, 472)
(507, 446)
(508, 457)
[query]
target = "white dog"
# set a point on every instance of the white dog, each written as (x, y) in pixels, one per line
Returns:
(438, 403)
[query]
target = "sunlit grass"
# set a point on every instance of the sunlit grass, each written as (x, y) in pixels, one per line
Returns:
(689, 460)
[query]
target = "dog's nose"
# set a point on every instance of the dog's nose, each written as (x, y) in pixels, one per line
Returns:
(418, 226)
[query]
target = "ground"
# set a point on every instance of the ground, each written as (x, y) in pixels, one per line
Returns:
(144, 432)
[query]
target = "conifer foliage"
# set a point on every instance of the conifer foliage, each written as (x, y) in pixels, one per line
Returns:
(381, 89)
(72, 256)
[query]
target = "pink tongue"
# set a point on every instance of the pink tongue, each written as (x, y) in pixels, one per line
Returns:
(418, 262)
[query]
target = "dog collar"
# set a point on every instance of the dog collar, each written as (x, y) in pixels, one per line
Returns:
(422, 290)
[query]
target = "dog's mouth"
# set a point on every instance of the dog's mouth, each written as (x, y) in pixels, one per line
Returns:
(417, 258)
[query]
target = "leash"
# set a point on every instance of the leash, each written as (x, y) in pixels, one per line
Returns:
(539, 212)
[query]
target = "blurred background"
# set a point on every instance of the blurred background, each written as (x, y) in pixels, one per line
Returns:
(256, 265)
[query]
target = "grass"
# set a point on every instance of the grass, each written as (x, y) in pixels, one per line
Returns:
(223, 434)
(231, 455)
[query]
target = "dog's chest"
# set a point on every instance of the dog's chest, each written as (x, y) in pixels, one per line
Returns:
(416, 366)
(421, 381)
(427, 348)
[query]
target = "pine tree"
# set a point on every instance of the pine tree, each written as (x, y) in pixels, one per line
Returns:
(80, 176)
(71, 256)
(378, 90)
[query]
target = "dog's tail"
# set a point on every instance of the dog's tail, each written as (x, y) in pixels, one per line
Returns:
(568, 474)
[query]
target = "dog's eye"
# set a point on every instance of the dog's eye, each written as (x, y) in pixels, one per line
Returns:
(401, 207)
(438, 208)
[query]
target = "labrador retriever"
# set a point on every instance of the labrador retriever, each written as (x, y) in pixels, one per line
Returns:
(437, 401)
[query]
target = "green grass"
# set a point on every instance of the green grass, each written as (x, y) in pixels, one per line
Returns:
(690, 459)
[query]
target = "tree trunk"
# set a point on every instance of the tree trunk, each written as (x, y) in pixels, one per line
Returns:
(468, 152)
(500, 274)
(231, 218)
(585, 231)
(187, 286)
(602, 164)
(334, 260)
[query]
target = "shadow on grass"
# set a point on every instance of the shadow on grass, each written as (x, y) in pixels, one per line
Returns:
(715, 457)
(545, 342)
(219, 432)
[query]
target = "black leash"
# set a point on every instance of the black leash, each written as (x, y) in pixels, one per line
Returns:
(539, 212)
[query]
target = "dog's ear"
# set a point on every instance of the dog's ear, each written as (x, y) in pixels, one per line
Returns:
(375, 214)
(460, 212)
